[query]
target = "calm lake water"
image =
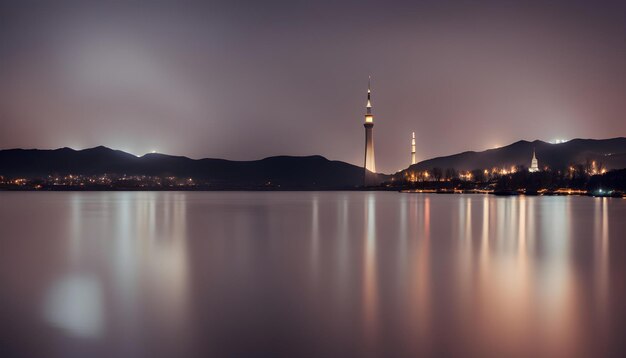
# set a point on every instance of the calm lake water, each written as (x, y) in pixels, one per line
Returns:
(332, 274)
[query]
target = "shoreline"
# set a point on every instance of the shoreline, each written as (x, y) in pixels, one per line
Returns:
(615, 195)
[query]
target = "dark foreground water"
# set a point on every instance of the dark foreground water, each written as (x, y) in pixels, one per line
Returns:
(326, 274)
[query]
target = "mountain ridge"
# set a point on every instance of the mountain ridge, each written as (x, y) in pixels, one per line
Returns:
(306, 172)
(312, 171)
(611, 152)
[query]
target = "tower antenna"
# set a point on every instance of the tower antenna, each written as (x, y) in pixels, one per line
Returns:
(370, 164)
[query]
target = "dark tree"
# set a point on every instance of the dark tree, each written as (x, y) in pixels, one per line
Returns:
(450, 174)
(437, 173)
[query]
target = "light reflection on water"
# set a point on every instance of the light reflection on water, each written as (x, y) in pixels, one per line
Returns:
(370, 284)
(320, 273)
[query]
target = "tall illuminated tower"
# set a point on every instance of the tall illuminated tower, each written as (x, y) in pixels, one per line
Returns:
(370, 163)
(413, 149)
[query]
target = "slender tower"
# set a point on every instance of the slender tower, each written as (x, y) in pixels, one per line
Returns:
(370, 163)
(413, 149)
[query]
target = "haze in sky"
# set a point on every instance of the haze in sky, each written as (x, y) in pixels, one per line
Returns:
(245, 80)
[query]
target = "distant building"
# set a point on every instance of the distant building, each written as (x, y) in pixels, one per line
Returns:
(534, 164)
(370, 162)
(413, 149)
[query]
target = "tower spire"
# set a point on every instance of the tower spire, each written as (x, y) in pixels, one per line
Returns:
(368, 107)
(413, 149)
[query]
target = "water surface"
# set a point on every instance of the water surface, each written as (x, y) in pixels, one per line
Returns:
(173, 274)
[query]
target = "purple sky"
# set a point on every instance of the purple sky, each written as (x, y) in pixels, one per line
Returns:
(245, 80)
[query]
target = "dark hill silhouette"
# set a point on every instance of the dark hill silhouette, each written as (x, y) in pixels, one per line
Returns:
(610, 152)
(308, 172)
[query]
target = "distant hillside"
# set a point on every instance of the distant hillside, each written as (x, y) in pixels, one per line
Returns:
(610, 152)
(287, 172)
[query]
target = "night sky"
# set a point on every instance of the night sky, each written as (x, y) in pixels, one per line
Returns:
(246, 80)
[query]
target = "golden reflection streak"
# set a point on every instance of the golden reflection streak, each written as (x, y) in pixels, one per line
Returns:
(468, 219)
(484, 245)
(531, 230)
(370, 284)
(315, 233)
(464, 260)
(558, 315)
(513, 217)
(343, 240)
(76, 228)
(486, 223)
(422, 287)
(403, 234)
(169, 261)
(503, 297)
(427, 217)
(149, 262)
(125, 268)
(499, 214)
(523, 288)
(601, 259)
(485, 255)
(521, 231)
